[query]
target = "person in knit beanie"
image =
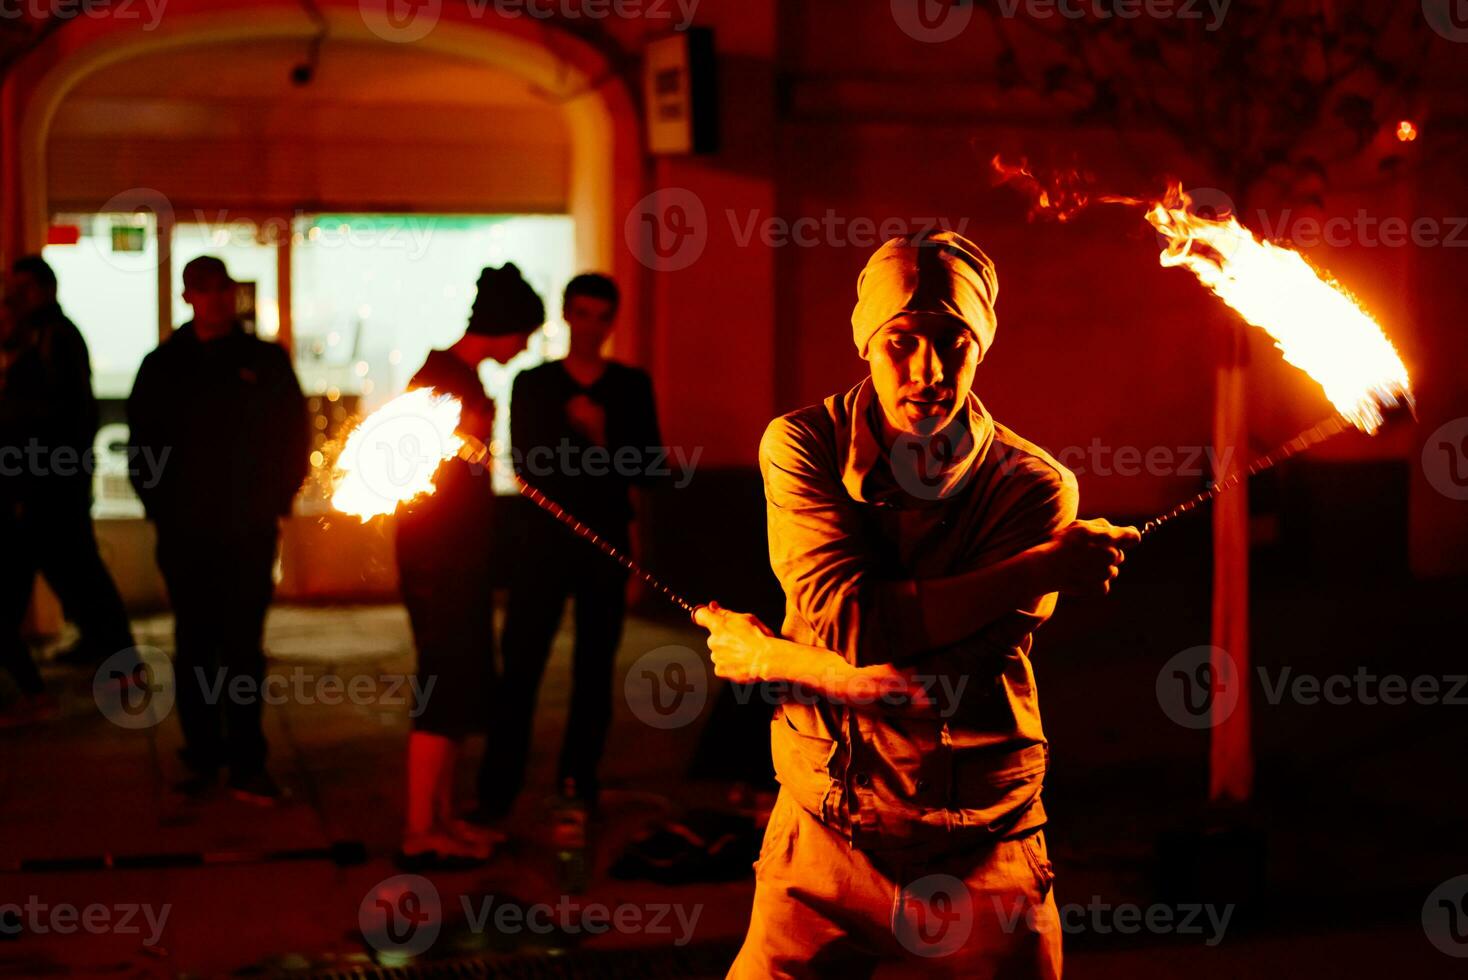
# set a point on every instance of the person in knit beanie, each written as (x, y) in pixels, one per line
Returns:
(919, 544)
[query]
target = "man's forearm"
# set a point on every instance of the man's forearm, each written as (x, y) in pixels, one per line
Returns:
(955, 607)
(830, 675)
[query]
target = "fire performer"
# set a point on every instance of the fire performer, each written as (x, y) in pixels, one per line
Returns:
(229, 411)
(920, 544)
(447, 582)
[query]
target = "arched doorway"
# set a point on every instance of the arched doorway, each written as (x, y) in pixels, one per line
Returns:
(604, 174)
(85, 63)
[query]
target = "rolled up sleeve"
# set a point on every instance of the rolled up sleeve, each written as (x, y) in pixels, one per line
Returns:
(820, 549)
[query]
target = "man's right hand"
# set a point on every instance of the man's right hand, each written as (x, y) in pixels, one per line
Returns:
(1083, 558)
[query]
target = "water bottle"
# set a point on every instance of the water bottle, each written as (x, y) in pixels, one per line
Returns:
(568, 837)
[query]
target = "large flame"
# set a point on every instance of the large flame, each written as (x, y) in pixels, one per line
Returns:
(1315, 323)
(392, 456)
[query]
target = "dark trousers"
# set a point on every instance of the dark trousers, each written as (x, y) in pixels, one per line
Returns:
(220, 584)
(52, 534)
(556, 567)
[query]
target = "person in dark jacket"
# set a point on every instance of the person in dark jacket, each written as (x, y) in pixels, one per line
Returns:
(584, 431)
(228, 409)
(446, 574)
(48, 423)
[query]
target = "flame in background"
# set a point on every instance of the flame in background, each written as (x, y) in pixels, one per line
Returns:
(1315, 322)
(393, 455)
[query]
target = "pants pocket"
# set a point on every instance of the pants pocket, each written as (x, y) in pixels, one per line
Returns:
(1038, 857)
(777, 832)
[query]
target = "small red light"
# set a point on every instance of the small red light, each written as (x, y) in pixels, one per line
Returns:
(1406, 131)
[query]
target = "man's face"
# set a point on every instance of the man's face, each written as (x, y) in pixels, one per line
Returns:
(23, 294)
(922, 368)
(213, 300)
(591, 321)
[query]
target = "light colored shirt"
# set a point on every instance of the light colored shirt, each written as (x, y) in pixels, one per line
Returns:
(852, 535)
